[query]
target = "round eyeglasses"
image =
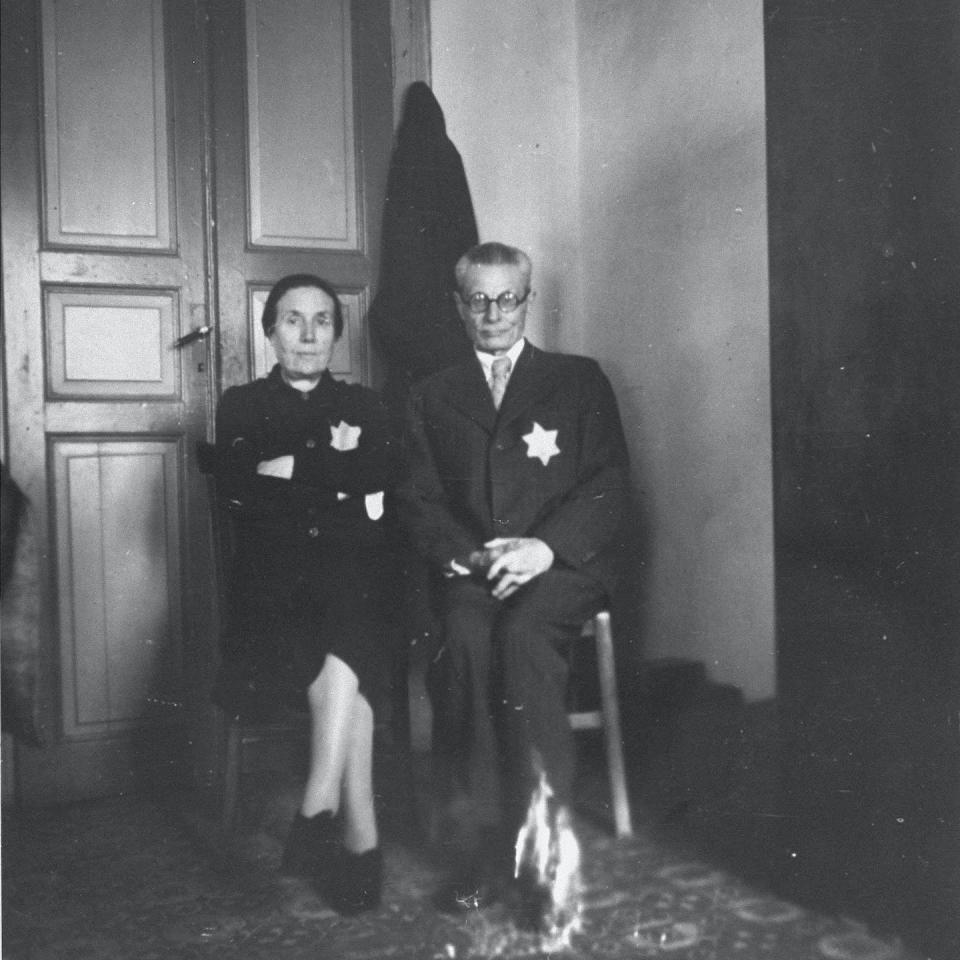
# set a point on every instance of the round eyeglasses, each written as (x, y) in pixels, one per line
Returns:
(479, 303)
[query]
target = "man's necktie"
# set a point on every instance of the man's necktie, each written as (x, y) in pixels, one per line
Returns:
(498, 380)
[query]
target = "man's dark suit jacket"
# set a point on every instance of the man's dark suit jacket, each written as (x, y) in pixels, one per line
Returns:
(475, 473)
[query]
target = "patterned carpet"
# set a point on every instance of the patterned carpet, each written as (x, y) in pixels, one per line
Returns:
(139, 880)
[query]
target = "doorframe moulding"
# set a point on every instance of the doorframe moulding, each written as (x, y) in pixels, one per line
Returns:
(410, 27)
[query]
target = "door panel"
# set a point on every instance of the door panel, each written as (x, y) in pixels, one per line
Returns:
(105, 279)
(106, 148)
(111, 344)
(300, 136)
(118, 546)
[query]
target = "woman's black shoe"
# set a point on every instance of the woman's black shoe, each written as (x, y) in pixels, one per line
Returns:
(312, 849)
(358, 882)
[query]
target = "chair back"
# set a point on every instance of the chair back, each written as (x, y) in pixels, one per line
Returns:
(223, 526)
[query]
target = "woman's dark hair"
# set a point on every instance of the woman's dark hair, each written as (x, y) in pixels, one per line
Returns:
(293, 282)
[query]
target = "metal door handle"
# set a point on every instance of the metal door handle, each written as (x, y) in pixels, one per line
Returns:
(198, 334)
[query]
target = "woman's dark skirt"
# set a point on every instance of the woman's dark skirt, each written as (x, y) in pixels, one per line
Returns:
(297, 599)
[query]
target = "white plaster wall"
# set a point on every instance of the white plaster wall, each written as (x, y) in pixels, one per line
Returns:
(621, 143)
(673, 176)
(505, 74)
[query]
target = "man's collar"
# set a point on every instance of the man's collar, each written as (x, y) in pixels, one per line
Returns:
(486, 359)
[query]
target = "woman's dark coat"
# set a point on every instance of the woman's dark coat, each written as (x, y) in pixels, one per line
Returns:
(313, 564)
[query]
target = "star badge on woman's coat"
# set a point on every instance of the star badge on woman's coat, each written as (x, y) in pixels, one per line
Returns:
(343, 437)
(541, 443)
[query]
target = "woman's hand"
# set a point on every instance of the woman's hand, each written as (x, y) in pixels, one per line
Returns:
(281, 467)
(518, 560)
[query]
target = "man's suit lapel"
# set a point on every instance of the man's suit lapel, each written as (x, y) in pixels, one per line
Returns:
(467, 391)
(532, 378)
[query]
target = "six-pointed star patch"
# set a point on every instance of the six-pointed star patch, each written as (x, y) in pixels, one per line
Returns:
(343, 437)
(541, 443)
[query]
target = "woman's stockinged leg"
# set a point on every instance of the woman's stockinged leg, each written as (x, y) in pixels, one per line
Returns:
(360, 822)
(332, 697)
(359, 881)
(347, 871)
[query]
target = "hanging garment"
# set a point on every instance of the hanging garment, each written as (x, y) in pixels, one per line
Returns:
(428, 223)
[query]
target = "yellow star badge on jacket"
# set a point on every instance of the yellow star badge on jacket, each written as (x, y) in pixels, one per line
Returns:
(343, 437)
(541, 443)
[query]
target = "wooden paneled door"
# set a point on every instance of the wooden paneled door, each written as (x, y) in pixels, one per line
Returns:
(163, 162)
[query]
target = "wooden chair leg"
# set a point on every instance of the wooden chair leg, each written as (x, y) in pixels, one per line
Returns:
(419, 711)
(613, 735)
(420, 757)
(230, 783)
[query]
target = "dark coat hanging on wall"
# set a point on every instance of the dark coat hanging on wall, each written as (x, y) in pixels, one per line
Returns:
(428, 222)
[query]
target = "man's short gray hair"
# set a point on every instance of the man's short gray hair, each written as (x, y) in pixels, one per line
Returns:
(493, 254)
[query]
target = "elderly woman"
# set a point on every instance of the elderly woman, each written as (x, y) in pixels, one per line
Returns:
(305, 460)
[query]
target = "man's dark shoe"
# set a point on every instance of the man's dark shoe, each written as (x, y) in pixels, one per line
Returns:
(470, 893)
(485, 880)
(357, 882)
(312, 849)
(532, 901)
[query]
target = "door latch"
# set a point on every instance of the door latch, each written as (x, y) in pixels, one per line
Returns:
(198, 334)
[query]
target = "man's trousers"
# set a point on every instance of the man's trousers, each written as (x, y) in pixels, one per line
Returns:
(499, 692)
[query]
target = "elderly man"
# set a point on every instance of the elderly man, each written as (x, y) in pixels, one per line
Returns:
(515, 492)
